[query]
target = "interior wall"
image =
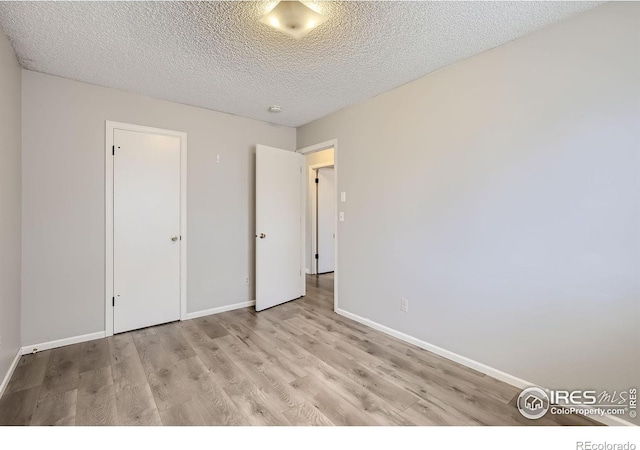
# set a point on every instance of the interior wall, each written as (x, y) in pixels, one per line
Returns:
(63, 200)
(10, 209)
(311, 159)
(501, 197)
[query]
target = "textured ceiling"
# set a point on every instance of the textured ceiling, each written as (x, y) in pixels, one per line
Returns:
(218, 55)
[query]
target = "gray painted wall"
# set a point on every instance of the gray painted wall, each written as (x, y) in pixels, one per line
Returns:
(501, 197)
(63, 200)
(10, 210)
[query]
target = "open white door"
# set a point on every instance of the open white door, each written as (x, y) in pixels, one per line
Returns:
(279, 206)
(326, 220)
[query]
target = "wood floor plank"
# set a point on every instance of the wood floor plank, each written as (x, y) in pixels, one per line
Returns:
(121, 346)
(175, 343)
(128, 373)
(94, 355)
(269, 378)
(329, 403)
(222, 368)
(153, 355)
(167, 328)
(136, 406)
(239, 352)
(169, 385)
(277, 390)
(184, 414)
(429, 413)
(305, 414)
(392, 393)
(338, 343)
(58, 409)
(29, 372)
(142, 332)
(213, 404)
(254, 405)
(268, 351)
(381, 412)
(194, 335)
(16, 408)
(242, 315)
(63, 371)
(211, 327)
(250, 352)
(477, 405)
(96, 403)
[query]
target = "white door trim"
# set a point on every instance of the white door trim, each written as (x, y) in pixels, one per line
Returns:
(333, 143)
(110, 126)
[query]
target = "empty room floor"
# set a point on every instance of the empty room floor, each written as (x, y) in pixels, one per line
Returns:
(295, 364)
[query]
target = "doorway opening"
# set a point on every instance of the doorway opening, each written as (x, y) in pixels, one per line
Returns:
(321, 214)
(284, 227)
(321, 210)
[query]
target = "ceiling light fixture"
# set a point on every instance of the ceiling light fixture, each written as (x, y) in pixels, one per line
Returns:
(275, 109)
(293, 18)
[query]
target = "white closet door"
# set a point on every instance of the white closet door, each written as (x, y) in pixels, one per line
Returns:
(146, 224)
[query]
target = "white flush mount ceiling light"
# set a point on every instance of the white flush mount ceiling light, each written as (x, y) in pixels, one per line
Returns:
(275, 109)
(293, 18)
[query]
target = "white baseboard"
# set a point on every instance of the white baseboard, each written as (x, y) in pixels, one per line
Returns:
(483, 368)
(307, 271)
(220, 309)
(12, 368)
(101, 334)
(62, 342)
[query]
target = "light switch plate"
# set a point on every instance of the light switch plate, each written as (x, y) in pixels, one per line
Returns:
(341, 216)
(343, 197)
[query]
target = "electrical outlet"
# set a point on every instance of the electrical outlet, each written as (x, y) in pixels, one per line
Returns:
(404, 305)
(246, 280)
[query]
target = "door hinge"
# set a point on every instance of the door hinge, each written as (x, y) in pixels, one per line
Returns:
(113, 150)
(317, 180)
(316, 256)
(113, 301)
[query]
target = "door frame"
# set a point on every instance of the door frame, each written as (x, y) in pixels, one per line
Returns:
(110, 126)
(313, 248)
(333, 143)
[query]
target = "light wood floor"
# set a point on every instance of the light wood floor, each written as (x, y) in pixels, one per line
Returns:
(295, 364)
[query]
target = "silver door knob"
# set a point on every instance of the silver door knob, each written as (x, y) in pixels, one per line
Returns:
(262, 235)
(174, 238)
